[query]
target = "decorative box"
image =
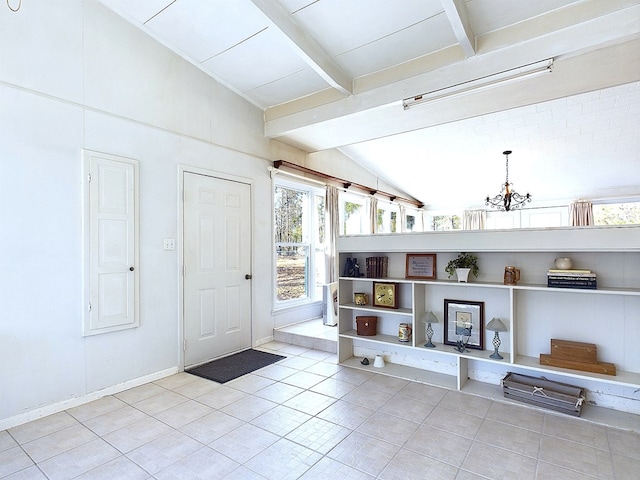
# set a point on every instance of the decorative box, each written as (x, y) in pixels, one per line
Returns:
(544, 393)
(367, 326)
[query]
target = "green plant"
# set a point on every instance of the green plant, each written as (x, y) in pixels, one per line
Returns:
(463, 260)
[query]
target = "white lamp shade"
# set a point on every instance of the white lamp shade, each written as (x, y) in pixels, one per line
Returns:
(496, 325)
(429, 317)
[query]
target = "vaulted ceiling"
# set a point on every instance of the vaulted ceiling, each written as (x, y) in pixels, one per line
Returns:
(333, 74)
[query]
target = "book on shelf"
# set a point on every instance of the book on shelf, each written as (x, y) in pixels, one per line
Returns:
(575, 282)
(567, 271)
(556, 274)
(377, 267)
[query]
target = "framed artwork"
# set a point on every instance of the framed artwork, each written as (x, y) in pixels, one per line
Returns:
(421, 266)
(464, 324)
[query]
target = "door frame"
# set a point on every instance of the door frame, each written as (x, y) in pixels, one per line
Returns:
(182, 169)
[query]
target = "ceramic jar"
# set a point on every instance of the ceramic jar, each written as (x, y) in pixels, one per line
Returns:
(404, 332)
(511, 275)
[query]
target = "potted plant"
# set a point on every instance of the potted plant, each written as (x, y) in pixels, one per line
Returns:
(462, 265)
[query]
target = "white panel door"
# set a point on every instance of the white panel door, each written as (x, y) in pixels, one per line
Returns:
(217, 259)
(111, 251)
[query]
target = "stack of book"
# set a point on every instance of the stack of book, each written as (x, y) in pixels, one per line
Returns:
(571, 279)
(377, 267)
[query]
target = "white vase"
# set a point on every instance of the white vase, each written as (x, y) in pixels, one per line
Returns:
(463, 274)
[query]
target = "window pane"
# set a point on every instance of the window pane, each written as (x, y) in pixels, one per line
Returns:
(394, 224)
(411, 222)
(353, 218)
(617, 213)
(288, 215)
(292, 271)
(446, 222)
(320, 219)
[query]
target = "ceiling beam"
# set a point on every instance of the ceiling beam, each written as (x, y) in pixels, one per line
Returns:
(308, 49)
(459, 20)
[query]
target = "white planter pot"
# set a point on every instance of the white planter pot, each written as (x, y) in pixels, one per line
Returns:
(463, 274)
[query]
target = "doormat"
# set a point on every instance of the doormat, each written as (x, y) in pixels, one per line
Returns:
(229, 368)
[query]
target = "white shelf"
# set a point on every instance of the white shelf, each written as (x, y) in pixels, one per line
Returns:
(408, 373)
(381, 310)
(380, 338)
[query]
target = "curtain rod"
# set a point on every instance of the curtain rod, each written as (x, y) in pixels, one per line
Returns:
(277, 164)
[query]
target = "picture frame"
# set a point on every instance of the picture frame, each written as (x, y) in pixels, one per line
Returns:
(421, 266)
(464, 324)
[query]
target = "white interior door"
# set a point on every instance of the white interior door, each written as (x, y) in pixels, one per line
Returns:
(217, 260)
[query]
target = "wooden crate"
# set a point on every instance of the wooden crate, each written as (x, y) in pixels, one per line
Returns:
(544, 393)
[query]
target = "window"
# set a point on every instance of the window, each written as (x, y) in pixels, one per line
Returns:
(353, 211)
(616, 213)
(446, 222)
(386, 218)
(299, 243)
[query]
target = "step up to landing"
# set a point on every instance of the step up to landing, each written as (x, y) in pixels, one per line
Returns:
(310, 334)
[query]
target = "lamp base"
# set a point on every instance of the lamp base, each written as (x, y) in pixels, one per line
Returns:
(496, 355)
(429, 344)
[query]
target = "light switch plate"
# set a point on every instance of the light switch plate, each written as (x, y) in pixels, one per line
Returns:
(169, 243)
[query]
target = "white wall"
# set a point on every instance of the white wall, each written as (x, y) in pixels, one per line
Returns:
(75, 76)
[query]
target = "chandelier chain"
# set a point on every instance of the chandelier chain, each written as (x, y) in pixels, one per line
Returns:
(19, 4)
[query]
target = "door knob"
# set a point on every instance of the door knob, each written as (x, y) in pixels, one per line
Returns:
(248, 276)
(131, 269)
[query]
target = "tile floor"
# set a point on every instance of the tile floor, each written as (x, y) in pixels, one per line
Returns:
(306, 417)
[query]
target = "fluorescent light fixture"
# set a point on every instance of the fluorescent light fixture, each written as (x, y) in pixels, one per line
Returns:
(480, 84)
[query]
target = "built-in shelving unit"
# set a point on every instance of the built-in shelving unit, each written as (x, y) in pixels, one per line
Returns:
(533, 312)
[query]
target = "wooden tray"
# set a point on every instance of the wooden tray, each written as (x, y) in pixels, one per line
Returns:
(544, 393)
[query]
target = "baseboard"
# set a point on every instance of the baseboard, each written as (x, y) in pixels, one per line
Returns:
(264, 340)
(41, 412)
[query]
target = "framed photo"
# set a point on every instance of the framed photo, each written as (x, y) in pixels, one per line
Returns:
(421, 266)
(464, 324)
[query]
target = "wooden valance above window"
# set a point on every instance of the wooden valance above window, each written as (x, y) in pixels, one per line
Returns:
(345, 183)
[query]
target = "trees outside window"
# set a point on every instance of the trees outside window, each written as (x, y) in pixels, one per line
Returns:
(299, 243)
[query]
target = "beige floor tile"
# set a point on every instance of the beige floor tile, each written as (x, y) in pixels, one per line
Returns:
(548, 470)
(184, 413)
(516, 439)
(137, 394)
(243, 473)
(576, 456)
(276, 372)
(625, 467)
(6, 441)
(221, 397)
(499, 464)
(333, 388)
(79, 460)
(343, 413)
(406, 466)
(319, 435)
(424, 393)
(13, 460)
(244, 442)
(211, 427)
(304, 379)
(284, 460)
(174, 381)
(197, 387)
(205, 464)
(31, 473)
(576, 430)
(520, 416)
(368, 396)
(466, 403)
(159, 403)
(112, 421)
(248, 408)
(250, 383)
(279, 392)
(407, 408)
(121, 469)
(293, 350)
(464, 475)
(444, 446)
(454, 421)
(281, 420)
(137, 434)
(96, 408)
(164, 451)
(58, 442)
(624, 443)
(388, 428)
(42, 427)
(310, 402)
(298, 363)
(324, 368)
(318, 354)
(386, 383)
(364, 453)
(328, 468)
(350, 375)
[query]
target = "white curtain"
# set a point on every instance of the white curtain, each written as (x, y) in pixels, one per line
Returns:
(373, 215)
(402, 211)
(332, 229)
(581, 213)
(474, 219)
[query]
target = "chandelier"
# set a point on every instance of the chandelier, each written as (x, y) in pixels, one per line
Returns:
(508, 198)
